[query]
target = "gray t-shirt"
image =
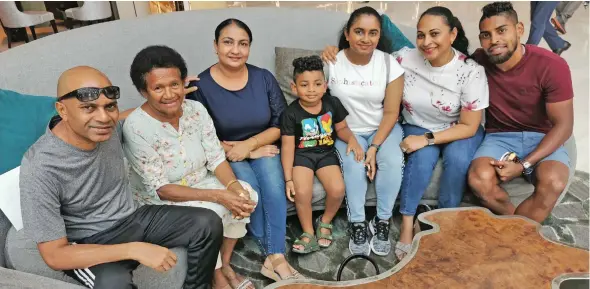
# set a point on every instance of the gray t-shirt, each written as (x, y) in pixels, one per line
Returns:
(68, 192)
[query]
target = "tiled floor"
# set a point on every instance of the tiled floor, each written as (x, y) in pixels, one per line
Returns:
(407, 13)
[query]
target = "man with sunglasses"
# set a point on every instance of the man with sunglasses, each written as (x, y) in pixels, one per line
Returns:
(77, 207)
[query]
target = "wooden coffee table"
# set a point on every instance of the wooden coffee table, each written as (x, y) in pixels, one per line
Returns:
(473, 248)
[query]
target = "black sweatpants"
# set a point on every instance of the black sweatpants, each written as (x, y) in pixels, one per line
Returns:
(197, 229)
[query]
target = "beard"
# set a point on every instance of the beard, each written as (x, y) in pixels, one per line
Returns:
(499, 59)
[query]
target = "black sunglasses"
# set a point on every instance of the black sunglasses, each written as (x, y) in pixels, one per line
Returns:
(86, 94)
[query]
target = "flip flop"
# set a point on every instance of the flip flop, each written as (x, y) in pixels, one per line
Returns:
(232, 277)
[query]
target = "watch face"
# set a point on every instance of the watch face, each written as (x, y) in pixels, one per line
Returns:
(429, 135)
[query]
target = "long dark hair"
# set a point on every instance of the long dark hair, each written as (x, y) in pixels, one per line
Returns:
(461, 43)
(384, 42)
(230, 21)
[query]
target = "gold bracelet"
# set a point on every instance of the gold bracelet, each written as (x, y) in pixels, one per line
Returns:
(230, 183)
(256, 146)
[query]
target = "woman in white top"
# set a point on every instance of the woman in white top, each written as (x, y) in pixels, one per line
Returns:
(444, 97)
(369, 83)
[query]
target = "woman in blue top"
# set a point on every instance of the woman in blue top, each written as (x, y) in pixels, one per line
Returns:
(245, 103)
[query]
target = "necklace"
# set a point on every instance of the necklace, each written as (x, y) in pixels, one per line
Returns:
(435, 78)
(354, 66)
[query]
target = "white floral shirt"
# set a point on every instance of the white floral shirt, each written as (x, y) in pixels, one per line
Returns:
(159, 155)
(433, 97)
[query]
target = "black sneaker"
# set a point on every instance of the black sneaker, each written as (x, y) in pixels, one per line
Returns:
(358, 243)
(380, 244)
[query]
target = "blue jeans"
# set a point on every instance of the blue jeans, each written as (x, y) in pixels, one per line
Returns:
(456, 157)
(541, 25)
(522, 143)
(268, 222)
(390, 162)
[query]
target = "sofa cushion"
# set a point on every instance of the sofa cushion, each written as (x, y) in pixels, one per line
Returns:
(23, 119)
(395, 35)
(22, 255)
(4, 227)
(16, 279)
(284, 67)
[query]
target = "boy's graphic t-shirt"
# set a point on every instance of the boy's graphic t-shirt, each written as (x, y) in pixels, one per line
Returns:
(313, 132)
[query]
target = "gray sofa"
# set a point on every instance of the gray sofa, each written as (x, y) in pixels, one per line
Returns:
(110, 47)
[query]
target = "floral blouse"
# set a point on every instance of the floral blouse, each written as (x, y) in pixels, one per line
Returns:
(433, 97)
(158, 154)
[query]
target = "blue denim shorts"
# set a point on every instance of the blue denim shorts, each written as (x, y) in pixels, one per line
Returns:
(494, 145)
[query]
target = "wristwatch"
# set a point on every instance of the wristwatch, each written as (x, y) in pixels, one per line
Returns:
(528, 167)
(430, 138)
(376, 146)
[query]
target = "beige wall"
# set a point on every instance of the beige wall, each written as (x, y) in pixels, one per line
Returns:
(133, 9)
(198, 5)
(33, 5)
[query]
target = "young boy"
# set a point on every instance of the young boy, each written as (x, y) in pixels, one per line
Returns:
(308, 128)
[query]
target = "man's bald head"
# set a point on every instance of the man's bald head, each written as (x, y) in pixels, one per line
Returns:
(91, 121)
(81, 76)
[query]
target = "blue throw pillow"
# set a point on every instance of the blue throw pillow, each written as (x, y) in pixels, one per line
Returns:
(397, 38)
(23, 119)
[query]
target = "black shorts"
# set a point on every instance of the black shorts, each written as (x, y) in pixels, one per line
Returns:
(317, 160)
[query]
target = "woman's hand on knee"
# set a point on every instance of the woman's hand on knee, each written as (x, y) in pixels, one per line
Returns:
(264, 151)
(239, 151)
(290, 190)
(354, 147)
(413, 143)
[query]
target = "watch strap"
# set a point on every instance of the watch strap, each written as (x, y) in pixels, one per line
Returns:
(429, 138)
(376, 146)
(527, 167)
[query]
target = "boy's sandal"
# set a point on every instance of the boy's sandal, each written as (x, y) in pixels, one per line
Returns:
(402, 250)
(271, 273)
(308, 247)
(322, 236)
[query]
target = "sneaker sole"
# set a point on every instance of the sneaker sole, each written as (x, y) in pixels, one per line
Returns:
(373, 230)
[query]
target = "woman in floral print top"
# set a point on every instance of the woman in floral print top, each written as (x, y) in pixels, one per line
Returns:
(444, 96)
(176, 157)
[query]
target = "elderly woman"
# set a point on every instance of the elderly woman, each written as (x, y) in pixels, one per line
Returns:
(245, 103)
(176, 157)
